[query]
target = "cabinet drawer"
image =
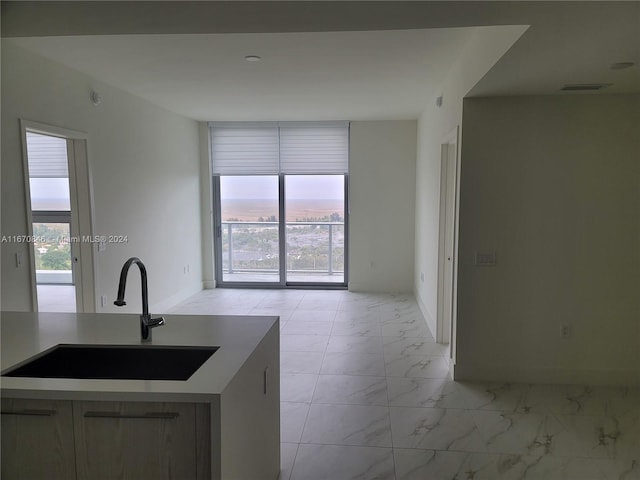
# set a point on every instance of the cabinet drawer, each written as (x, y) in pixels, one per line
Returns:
(37, 440)
(135, 440)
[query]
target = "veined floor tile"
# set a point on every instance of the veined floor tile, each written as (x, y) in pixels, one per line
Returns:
(313, 316)
(355, 344)
(297, 387)
(319, 303)
(295, 327)
(348, 425)
(418, 366)
(435, 429)
(342, 363)
(364, 315)
(356, 328)
(284, 314)
(519, 433)
(439, 429)
(614, 438)
(338, 462)
(586, 400)
(300, 362)
(396, 346)
(504, 397)
(421, 392)
(413, 330)
(303, 343)
(351, 389)
(287, 456)
(414, 464)
(292, 418)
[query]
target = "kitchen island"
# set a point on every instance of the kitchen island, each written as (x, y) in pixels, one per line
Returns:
(221, 423)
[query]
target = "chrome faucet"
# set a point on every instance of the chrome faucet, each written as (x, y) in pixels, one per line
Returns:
(146, 322)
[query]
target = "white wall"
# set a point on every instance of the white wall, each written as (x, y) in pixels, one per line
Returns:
(434, 125)
(145, 167)
(382, 206)
(552, 185)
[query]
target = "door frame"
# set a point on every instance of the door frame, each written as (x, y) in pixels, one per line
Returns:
(82, 212)
(448, 240)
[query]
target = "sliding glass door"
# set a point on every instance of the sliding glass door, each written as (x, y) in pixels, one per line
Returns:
(315, 240)
(280, 203)
(281, 230)
(249, 231)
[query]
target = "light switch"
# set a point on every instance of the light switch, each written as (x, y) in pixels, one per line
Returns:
(485, 259)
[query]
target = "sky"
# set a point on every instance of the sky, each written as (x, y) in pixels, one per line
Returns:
(297, 187)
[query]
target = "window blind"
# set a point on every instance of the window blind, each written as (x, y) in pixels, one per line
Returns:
(287, 148)
(47, 156)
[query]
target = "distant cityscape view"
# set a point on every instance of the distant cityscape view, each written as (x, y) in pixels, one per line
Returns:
(314, 237)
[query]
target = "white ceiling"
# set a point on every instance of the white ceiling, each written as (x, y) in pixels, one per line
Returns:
(358, 73)
(337, 75)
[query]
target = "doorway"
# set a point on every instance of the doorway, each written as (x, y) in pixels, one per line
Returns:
(447, 248)
(57, 183)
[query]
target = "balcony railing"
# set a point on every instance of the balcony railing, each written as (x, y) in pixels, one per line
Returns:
(313, 248)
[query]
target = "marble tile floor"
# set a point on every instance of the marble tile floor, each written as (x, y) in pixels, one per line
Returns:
(365, 394)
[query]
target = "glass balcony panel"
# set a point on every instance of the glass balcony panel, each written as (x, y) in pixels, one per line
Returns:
(52, 251)
(250, 235)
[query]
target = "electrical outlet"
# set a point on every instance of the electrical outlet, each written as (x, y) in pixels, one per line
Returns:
(565, 330)
(422, 277)
(103, 301)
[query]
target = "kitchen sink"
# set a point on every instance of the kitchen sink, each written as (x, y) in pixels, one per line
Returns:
(115, 362)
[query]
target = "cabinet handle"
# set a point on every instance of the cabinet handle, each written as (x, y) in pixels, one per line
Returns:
(148, 415)
(31, 413)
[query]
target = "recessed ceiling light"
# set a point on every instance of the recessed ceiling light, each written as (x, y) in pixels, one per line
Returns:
(622, 65)
(252, 58)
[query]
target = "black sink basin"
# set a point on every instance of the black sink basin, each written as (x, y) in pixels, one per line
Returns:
(115, 362)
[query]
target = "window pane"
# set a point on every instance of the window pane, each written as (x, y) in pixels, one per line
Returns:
(50, 194)
(314, 206)
(48, 172)
(250, 236)
(52, 252)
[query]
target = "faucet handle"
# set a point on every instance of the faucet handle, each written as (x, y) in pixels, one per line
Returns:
(155, 322)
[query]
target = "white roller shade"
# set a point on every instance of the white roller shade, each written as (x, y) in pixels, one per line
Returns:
(47, 156)
(272, 148)
(314, 149)
(244, 150)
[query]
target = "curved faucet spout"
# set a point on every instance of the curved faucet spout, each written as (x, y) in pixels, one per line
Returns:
(146, 322)
(123, 284)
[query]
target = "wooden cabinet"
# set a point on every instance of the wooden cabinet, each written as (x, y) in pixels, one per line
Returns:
(105, 440)
(136, 440)
(37, 440)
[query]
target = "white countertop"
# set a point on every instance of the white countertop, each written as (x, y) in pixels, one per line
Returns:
(26, 334)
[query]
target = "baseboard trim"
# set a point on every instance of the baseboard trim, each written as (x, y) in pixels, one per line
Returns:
(209, 284)
(176, 298)
(425, 313)
(368, 288)
(629, 378)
